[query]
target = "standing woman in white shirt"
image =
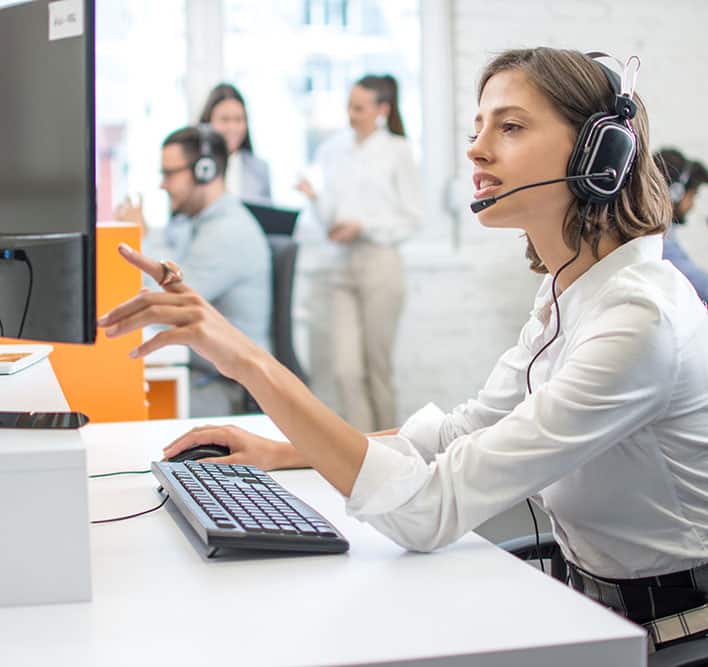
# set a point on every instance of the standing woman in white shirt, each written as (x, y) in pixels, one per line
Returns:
(369, 202)
(599, 412)
(247, 176)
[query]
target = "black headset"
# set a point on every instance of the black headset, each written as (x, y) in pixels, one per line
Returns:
(677, 188)
(205, 169)
(605, 142)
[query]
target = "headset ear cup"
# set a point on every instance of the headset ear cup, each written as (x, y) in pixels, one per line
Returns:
(677, 191)
(581, 150)
(204, 170)
(603, 144)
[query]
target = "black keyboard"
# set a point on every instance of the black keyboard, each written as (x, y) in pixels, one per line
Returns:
(242, 507)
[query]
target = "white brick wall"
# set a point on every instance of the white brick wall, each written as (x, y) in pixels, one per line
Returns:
(670, 39)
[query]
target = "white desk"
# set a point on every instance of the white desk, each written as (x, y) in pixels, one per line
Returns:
(156, 601)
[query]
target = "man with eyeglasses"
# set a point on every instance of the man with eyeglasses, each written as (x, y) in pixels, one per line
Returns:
(220, 248)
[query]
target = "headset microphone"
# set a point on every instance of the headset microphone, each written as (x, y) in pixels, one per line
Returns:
(481, 204)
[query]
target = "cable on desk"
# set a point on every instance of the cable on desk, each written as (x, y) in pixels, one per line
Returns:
(127, 516)
(122, 472)
(132, 516)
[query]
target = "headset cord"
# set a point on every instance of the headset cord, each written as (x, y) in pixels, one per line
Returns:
(583, 217)
(127, 516)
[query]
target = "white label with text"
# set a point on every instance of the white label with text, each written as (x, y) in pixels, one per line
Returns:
(66, 19)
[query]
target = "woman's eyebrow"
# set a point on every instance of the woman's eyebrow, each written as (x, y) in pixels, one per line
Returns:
(499, 111)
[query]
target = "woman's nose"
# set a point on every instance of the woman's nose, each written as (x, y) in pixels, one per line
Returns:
(479, 149)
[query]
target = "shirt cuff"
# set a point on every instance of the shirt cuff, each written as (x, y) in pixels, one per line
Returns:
(422, 429)
(391, 474)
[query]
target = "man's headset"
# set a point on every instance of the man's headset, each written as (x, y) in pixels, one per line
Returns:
(605, 149)
(677, 188)
(205, 169)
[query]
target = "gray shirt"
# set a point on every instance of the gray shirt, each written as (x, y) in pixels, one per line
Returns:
(225, 257)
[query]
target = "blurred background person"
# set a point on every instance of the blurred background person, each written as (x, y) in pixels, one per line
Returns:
(247, 176)
(368, 201)
(219, 246)
(684, 177)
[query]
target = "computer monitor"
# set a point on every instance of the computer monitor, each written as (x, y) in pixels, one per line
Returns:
(47, 171)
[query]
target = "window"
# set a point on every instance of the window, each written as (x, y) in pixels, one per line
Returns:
(140, 97)
(293, 60)
(296, 92)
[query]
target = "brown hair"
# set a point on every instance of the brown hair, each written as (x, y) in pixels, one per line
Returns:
(386, 90)
(222, 92)
(577, 87)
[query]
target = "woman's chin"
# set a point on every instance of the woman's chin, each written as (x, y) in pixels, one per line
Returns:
(492, 218)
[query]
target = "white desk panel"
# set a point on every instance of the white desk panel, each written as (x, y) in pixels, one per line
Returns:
(157, 601)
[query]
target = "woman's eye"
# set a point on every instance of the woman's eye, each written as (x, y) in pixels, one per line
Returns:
(471, 138)
(510, 127)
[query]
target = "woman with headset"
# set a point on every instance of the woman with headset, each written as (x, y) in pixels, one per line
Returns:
(247, 175)
(599, 412)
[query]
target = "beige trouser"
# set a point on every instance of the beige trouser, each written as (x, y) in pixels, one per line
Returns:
(367, 297)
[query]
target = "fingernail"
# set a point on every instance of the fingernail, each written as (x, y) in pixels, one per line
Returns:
(102, 321)
(111, 330)
(133, 354)
(125, 247)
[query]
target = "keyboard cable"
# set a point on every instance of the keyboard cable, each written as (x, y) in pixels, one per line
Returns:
(127, 516)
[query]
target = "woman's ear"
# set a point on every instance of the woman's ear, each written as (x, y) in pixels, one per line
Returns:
(384, 111)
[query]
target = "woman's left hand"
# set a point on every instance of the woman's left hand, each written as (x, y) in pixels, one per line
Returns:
(192, 319)
(345, 231)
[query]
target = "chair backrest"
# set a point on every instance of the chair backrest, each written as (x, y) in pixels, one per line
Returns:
(284, 253)
(273, 220)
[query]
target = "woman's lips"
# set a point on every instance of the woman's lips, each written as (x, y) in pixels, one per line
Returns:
(487, 191)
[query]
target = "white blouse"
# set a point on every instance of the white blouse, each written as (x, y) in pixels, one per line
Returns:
(374, 182)
(613, 441)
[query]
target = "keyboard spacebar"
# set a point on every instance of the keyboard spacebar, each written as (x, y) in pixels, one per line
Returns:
(300, 507)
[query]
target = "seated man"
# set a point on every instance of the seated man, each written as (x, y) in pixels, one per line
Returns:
(683, 177)
(219, 246)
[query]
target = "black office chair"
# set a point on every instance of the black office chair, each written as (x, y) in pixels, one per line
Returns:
(274, 220)
(689, 654)
(284, 253)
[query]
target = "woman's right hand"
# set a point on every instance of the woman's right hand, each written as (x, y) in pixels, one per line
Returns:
(192, 321)
(246, 448)
(306, 188)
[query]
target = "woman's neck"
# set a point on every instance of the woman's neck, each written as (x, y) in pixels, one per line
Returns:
(363, 136)
(554, 253)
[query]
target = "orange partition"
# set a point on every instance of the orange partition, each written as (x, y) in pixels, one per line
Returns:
(101, 380)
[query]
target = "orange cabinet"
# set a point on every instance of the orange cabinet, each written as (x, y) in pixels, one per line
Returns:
(101, 380)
